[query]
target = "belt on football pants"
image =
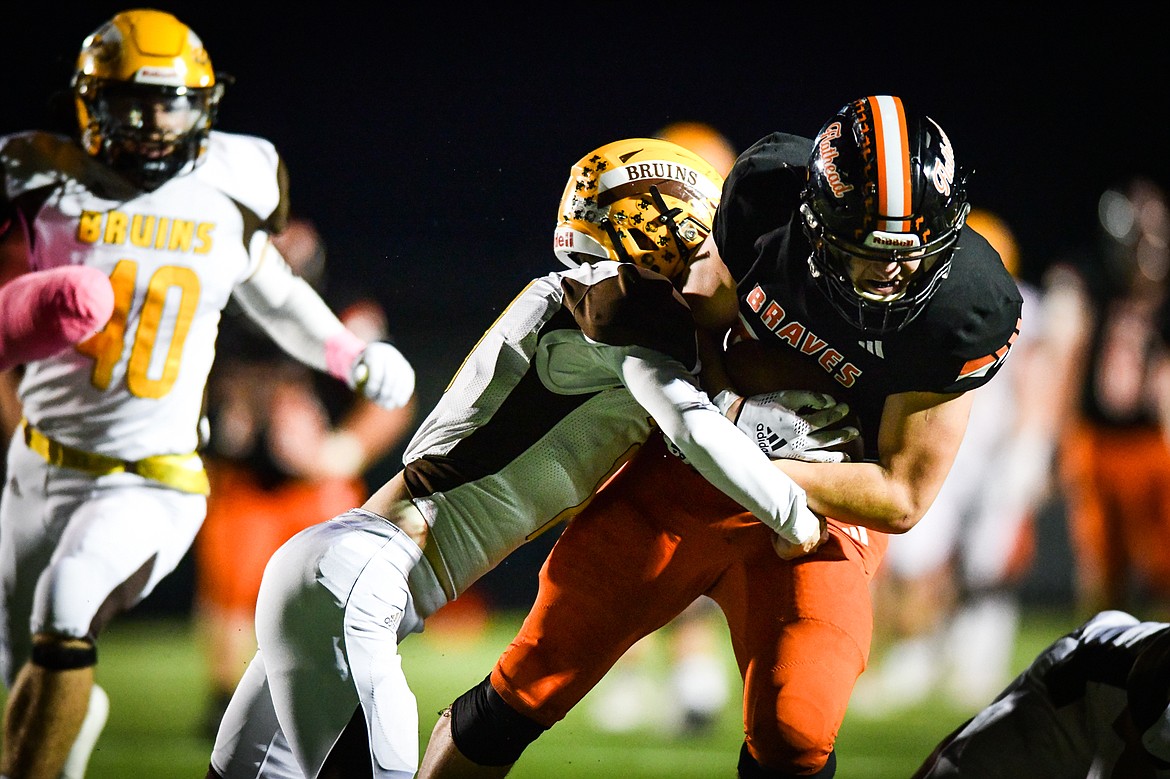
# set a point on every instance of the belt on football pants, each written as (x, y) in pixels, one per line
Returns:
(183, 472)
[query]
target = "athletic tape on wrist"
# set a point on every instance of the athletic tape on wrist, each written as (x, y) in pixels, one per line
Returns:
(724, 399)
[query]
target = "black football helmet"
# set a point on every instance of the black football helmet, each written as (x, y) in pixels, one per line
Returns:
(882, 186)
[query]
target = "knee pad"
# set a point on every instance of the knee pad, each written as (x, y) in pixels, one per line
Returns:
(748, 768)
(487, 730)
(57, 653)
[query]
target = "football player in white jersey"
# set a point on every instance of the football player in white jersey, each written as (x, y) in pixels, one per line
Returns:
(105, 490)
(555, 397)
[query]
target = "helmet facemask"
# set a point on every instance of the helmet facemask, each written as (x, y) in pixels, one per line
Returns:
(148, 133)
(659, 243)
(829, 265)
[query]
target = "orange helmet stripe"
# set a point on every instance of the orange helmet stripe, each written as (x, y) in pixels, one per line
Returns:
(893, 163)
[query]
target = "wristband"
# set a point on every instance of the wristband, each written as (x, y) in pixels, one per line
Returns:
(341, 352)
(724, 400)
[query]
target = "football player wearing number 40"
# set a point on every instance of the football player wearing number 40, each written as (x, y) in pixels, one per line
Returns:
(105, 491)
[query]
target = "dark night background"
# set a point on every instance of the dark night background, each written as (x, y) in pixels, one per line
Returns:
(431, 147)
(431, 144)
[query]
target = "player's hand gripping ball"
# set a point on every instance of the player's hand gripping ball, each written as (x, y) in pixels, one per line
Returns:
(796, 424)
(789, 404)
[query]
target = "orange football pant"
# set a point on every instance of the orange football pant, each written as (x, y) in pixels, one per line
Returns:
(1117, 497)
(654, 539)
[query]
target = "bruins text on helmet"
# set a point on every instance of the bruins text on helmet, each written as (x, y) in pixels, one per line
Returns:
(882, 187)
(640, 200)
(146, 96)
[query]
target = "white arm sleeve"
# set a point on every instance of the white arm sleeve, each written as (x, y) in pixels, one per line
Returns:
(288, 309)
(714, 445)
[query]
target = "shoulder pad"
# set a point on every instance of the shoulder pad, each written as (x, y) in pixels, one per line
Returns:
(977, 311)
(247, 169)
(761, 193)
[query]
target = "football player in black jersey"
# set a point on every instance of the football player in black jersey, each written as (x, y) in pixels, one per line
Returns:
(849, 251)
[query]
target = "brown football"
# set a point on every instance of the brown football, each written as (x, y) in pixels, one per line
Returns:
(755, 367)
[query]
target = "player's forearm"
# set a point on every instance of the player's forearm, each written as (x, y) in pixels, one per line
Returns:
(716, 448)
(710, 291)
(920, 434)
(296, 317)
(734, 464)
(864, 494)
(714, 377)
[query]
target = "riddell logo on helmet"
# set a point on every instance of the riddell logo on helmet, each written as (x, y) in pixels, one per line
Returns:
(883, 240)
(164, 76)
(828, 154)
(563, 239)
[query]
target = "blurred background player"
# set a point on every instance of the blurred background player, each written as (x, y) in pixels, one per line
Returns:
(105, 489)
(1115, 457)
(946, 596)
(288, 446)
(703, 139)
(678, 677)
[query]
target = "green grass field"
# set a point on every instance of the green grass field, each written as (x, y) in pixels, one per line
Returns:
(151, 670)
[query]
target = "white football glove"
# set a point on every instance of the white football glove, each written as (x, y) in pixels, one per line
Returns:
(787, 424)
(383, 375)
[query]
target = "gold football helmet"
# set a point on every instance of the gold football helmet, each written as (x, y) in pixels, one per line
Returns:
(146, 96)
(641, 200)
